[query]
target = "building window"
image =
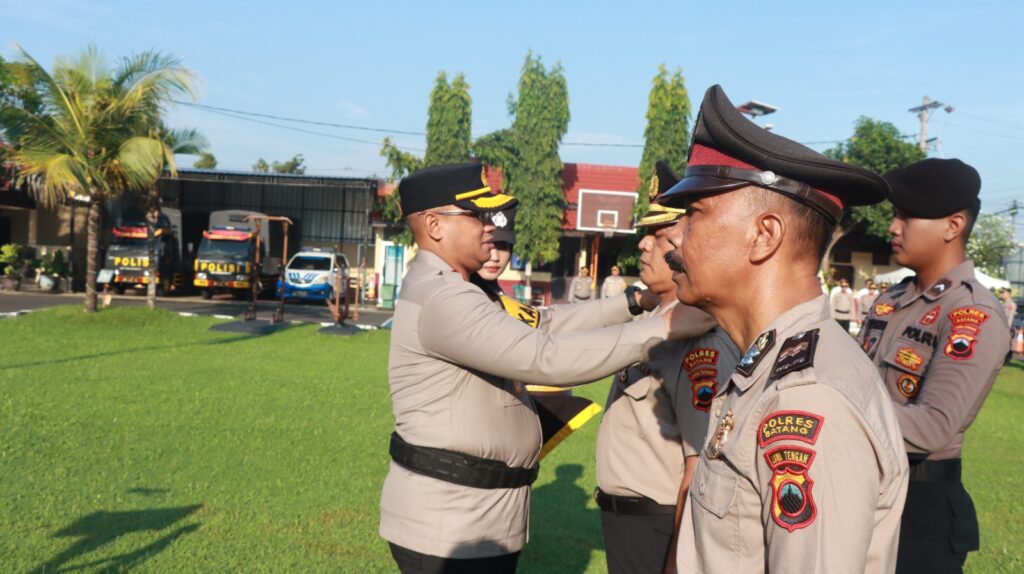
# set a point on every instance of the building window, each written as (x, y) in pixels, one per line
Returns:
(842, 256)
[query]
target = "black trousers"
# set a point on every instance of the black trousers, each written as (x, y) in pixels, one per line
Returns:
(636, 544)
(412, 562)
(939, 528)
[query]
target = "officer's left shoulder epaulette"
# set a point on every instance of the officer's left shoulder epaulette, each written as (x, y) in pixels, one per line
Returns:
(795, 354)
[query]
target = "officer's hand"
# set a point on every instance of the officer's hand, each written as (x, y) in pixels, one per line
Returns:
(647, 299)
(685, 322)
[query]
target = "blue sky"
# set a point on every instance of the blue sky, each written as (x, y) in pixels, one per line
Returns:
(373, 64)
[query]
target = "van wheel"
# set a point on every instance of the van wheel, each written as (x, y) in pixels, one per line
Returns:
(207, 293)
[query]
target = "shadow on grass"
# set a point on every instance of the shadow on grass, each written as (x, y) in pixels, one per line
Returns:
(100, 528)
(126, 352)
(563, 531)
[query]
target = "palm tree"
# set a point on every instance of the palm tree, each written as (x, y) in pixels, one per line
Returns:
(96, 133)
(179, 141)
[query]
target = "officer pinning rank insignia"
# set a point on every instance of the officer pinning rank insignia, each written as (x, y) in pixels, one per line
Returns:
(701, 367)
(792, 505)
(967, 322)
(756, 352)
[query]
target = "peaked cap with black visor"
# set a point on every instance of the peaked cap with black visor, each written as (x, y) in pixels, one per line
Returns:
(461, 184)
(658, 215)
(728, 152)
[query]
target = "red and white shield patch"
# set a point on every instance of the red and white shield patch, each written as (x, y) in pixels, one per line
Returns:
(792, 505)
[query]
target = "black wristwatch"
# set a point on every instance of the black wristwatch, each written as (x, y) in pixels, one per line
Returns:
(634, 307)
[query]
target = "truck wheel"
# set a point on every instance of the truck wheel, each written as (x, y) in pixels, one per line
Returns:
(119, 289)
(207, 293)
(239, 295)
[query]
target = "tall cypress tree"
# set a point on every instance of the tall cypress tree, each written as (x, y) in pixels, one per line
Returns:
(449, 121)
(534, 171)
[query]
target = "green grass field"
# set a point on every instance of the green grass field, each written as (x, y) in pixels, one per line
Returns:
(141, 441)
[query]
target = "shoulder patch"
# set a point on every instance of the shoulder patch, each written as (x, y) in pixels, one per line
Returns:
(932, 315)
(700, 356)
(797, 425)
(908, 357)
(797, 353)
(883, 309)
(700, 366)
(755, 353)
(520, 311)
(792, 501)
(960, 346)
(967, 319)
(908, 385)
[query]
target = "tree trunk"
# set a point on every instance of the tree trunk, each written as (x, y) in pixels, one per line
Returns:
(838, 233)
(152, 219)
(92, 251)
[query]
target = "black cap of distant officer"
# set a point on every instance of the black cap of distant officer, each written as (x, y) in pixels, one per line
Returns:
(460, 184)
(728, 152)
(504, 226)
(934, 188)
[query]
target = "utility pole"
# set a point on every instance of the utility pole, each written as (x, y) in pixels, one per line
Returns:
(924, 112)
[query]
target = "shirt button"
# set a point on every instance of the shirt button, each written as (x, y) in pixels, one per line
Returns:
(702, 487)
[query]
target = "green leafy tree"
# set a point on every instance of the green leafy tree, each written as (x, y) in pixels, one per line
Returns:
(206, 161)
(261, 166)
(449, 121)
(292, 166)
(880, 147)
(991, 242)
(534, 172)
(667, 137)
(96, 132)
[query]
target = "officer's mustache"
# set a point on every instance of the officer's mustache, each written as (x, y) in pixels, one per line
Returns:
(673, 261)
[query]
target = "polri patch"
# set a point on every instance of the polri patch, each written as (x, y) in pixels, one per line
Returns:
(908, 385)
(797, 425)
(908, 357)
(792, 504)
(701, 356)
(797, 353)
(756, 352)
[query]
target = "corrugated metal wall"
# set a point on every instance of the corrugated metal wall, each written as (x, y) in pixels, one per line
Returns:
(336, 211)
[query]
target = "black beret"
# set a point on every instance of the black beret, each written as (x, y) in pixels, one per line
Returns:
(461, 184)
(934, 188)
(728, 151)
(504, 226)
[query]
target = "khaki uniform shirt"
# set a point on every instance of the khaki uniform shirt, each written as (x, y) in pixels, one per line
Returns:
(811, 474)
(452, 367)
(657, 415)
(580, 289)
(842, 305)
(864, 304)
(613, 285)
(939, 352)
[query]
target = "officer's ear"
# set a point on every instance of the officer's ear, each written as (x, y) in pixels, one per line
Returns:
(956, 227)
(433, 226)
(769, 232)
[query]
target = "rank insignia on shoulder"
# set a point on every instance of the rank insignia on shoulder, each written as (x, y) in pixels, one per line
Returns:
(797, 353)
(883, 309)
(939, 288)
(756, 352)
(792, 502)
(521, 311)
(797, 425)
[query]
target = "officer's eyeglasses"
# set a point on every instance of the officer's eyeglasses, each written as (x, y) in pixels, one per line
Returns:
(484, 218)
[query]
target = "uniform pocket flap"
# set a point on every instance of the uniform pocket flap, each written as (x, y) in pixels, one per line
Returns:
(714, 491)
(638, 390)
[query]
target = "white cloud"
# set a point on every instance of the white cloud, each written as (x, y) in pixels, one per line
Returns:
(353, 110)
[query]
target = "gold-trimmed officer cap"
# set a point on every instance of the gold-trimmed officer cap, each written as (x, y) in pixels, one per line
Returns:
(729, 152)
(461, 184)
(657, 215)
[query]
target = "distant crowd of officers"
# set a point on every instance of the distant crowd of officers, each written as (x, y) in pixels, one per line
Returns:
(745, 429)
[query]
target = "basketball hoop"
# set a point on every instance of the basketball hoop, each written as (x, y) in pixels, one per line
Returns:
(607, 231)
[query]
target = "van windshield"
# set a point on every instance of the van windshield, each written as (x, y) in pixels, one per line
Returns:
(310, 264)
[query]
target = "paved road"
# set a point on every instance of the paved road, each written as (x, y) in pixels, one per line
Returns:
(311, 312)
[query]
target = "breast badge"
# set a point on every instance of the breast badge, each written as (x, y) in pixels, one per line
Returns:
(721, 436)
(792, 505)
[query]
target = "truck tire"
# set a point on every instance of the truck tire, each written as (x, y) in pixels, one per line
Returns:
(119, 289)
(207, 293)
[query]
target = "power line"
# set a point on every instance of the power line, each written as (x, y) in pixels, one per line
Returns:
(297, 120)
(1005, 123)
(1008, 136)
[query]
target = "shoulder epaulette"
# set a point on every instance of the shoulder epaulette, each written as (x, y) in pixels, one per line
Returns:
(796, 353)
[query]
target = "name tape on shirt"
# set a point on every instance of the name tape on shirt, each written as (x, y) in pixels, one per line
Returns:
(781, 425)
(792, 504)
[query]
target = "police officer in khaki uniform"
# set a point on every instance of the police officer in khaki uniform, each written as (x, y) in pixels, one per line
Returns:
(804, 468)
(456, 497)
(939, 339)
(656, 417)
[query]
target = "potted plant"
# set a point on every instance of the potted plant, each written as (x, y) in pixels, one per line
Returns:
(51, 268)
(11, 261)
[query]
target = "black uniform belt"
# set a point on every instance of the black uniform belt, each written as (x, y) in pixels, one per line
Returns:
(633, 505)
(935, 470)
(459, 468)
